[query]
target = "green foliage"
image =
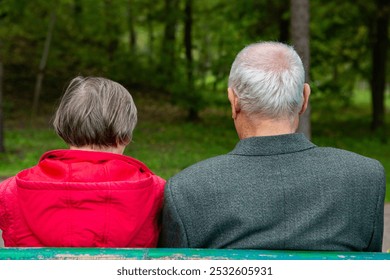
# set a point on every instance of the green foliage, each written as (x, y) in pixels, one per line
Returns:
(140, 43)
(338, 47)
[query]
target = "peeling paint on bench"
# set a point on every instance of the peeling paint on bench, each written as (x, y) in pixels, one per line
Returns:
(178, 254)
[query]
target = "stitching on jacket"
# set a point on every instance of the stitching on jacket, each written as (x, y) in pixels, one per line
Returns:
(284, 220)
(3, 205)
(8, 217)
(69, 210)
(377, 205)
(270, 155)
(156, 213)
(177, 212)
(107, 219)
(3, 211)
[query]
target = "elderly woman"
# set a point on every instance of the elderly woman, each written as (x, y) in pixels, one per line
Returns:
(89, 195)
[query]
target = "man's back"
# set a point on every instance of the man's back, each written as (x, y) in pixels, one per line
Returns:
(277, 192)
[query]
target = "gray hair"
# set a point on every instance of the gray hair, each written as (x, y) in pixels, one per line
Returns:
(268, 79)
(95, 111)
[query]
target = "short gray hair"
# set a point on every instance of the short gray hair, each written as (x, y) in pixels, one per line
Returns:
(268, 79)
(95, 111)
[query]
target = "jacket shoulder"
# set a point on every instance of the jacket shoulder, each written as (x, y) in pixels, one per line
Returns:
(7, 197)
(7, 188)
(202, 168)
(348, 156)
(359, 169)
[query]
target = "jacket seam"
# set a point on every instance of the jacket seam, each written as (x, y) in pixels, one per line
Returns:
(106, 229)
(69, 210)
(284, 203)
(156, 210)
(170, 183)
(3, 206)
(9, 219)
(374, 220)
(270, 155)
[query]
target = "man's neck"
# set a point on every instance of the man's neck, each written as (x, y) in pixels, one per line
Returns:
(255, 127)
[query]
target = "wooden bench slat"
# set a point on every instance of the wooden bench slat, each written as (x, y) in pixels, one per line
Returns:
(179, 254)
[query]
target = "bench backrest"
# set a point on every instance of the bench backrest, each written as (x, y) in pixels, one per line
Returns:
(179, 254)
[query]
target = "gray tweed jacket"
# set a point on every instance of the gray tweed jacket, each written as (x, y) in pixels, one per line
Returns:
(277, 192)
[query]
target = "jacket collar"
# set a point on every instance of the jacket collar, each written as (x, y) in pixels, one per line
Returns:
(272, 145)
(68, 155)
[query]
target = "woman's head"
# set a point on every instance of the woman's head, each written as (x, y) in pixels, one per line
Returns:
(95, 112)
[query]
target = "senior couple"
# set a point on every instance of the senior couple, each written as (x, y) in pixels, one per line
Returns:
(274, 190)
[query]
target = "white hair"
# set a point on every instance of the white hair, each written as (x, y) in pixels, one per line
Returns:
(268, 79)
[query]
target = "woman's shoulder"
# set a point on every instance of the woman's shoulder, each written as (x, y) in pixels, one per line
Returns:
(7, 186)
(7, 197)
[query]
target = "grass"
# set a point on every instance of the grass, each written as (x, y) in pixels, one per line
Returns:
(167, 143)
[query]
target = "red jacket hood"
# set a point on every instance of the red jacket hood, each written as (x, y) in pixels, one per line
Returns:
(90, 199)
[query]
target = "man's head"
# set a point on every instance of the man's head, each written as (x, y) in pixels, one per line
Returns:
(95, 112)
(267, 79)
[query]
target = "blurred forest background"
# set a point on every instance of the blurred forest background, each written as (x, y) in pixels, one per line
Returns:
(174, 56)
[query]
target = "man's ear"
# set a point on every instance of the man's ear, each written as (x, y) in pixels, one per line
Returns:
(306, 96)
(233, 99)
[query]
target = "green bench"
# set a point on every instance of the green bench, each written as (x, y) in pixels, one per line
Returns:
(179, 254)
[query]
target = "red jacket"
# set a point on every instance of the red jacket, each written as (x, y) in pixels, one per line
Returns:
(76, 198)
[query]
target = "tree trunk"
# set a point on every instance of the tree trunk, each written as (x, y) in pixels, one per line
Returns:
(132, 34)
(112, 29)
(151, 36)
(379, 59)
(300, 13)
(77, 15)
(188, 38)
(42, 65)
(284, 23)
(2, 148)
(192, 100)
(168, 55)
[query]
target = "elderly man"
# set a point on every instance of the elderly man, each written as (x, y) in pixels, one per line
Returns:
(276, 189)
